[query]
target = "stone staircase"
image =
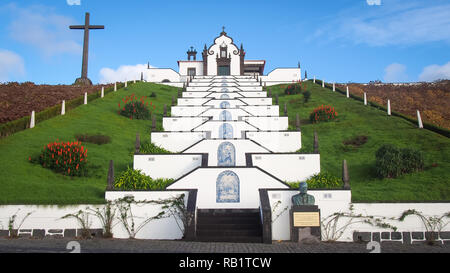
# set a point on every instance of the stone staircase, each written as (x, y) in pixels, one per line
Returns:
(229, 225)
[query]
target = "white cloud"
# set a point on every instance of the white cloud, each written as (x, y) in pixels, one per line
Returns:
(73, 2)
(123, 73)
(373, 2)
(38, 26)
(435, 72)
(11, 65)
(395, 73)
(393, 23)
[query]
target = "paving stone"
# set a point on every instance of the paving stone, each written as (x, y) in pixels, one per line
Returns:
(71, 233)
(417, 235)
(55, 231)
(376, 236)
(406, 237)
(361, 236)
(39, 233)
(396, 235)
(385, 235)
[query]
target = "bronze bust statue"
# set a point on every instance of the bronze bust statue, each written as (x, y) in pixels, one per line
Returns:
(303, 198)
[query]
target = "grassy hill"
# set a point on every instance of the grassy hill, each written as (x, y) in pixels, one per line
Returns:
(22, 182)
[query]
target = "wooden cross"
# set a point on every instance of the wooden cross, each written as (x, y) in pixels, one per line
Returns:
(86, 27)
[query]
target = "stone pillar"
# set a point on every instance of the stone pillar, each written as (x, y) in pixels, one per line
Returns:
(297, 121)
(348, 93)
(85, 97)
(134, 81)
(270, 92)
(165, 111)
(389, 107)
(285, 109)
(103, 92)
(180, 93)
(110, 181)
(153, 122)
(316, 143)
(334, 87)
(33, 120)
(63, 107)
(365, 98)
(126, 83)
(173, 101)
(345, 176)
(115, 86)
(314, 81)
(137, 145)
(323, 83)
(142, 76)
(276, 99)
(419, 120)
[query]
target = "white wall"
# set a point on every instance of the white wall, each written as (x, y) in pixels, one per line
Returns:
(213, 127)
(184, 65)
(215, 113)
(269, 123)
(253, 94)
(176, 141)
(242, 146)
(192, 101)
(195, 94)
(166, 165)
(329, 202)
(182, 123)
(282, 75)
(49, 217)
(257, 101)
(187, 111)
(278, 142)
(204, 179)
(160, 74)
(162, 229)
(231, 95)
(271, 110)
(289, 167)
(216, 103)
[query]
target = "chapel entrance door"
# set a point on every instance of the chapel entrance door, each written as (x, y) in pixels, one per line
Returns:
(223, 70)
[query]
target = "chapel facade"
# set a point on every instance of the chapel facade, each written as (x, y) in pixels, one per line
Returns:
(222, 58)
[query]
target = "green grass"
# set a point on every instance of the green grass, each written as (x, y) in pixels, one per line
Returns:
(22, 182)
(355, 119)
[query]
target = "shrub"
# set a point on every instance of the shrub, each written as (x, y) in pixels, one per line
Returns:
(323, 113)
(68, 158)
(153, 95)
(412, 160)
(322, 180)
(150, 148)
(293, 89)
(96, 139)
(306, 96)
(135, 180)
(391, 162)
(134, 108)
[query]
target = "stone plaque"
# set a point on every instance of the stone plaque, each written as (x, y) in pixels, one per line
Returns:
(306, 219)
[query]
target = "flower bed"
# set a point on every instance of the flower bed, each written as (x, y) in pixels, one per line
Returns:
(134, 108)
(68, 158)
(323, 113)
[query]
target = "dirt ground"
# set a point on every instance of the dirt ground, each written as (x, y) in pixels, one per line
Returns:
(19, 99)
(431, 99)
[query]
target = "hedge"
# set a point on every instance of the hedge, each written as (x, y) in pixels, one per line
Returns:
(442, 131)
(23, 123)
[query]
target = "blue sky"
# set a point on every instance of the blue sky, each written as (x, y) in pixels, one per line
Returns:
(337, 40)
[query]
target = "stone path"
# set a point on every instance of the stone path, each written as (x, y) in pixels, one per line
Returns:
(59, 245)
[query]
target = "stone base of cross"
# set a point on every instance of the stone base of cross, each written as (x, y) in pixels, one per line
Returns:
(83, 81)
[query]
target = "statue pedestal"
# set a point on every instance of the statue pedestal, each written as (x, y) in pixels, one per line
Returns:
(305, 223)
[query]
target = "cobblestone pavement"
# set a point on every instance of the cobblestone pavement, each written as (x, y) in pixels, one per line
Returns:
(59, 245)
